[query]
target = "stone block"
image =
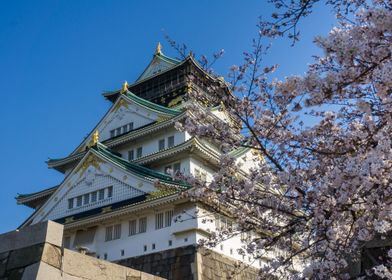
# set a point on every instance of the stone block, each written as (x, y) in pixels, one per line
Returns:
(25, 256)
(49, 231)
(52, 255)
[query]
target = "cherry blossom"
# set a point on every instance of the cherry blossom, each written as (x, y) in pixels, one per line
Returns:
(322, 189)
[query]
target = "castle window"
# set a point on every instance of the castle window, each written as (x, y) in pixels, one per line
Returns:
(130, 126)
(177, 167)
(132, 227)
(168, 169)
(125, 128)
(221, 247)
(170, 243)
(170, 141)
(110, 191)
(122, 253)
(173, 169)
(105, 256)
(70, 203)
(117, 231)
(93, 197)
(139, 152)
(112, 133)
(109, 233)
(101, 194)
(142, 224)
(159, 221)
(168, 218)
(145, 248)
(163, 219)
(153, 246)
(118, 131)
(86, 199)
(131, 155)
(161, 144)
(231, 251)
(79, 201)
(222, 222)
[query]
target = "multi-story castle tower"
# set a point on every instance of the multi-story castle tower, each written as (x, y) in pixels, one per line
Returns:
(118, 200)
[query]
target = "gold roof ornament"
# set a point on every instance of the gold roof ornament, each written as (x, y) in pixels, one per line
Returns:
(188, 87)
(124, 87)
(158, 49)
(95, 138)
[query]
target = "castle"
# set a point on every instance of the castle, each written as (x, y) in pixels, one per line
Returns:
(119, 201)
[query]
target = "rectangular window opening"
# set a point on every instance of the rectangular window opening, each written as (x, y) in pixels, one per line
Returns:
(79, 201)
(93, 197)
(101, 194)
(161, 144)
(109, 233)
(86, 199)
(158, 220)
(139, 152)
(70, 203)
(131, 155)
(142, 224)
(132, 227)
(110, 191)
(117, 231)
(170, 141)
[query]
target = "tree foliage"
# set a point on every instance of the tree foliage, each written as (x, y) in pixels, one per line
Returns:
(323, 189)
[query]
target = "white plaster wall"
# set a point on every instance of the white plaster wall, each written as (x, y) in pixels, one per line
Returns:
(125, 185)
(150, 142)
(185, 163)
(134, 245)
(202, 166)
(124, 115)
(181, 233)
(206, 221)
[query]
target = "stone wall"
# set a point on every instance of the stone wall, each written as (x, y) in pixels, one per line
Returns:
(190, 263)
(36, 252)
(178, 263)
(214, 266)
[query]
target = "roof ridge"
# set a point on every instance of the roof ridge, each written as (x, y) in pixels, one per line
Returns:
(105, 151)
(150, 104)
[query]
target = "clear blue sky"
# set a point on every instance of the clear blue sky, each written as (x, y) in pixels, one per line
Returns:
(57, 57)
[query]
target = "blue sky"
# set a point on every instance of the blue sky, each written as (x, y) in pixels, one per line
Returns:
(56, 58)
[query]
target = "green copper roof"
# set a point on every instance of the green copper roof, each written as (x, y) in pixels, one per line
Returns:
(48, 190)
(151, 105)
(161, 61)
(239, 152)
(134, 168)
(168, 59)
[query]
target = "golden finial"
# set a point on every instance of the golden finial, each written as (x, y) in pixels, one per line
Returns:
(124, 87)
(95, 138)
(188, 87)
(158, 50)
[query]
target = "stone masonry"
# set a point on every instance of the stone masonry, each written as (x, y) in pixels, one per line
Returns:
(190, 263)
(36, 252)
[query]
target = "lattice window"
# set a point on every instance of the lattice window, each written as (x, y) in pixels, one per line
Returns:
(142, 224)
(132, 227)
(159, 221)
